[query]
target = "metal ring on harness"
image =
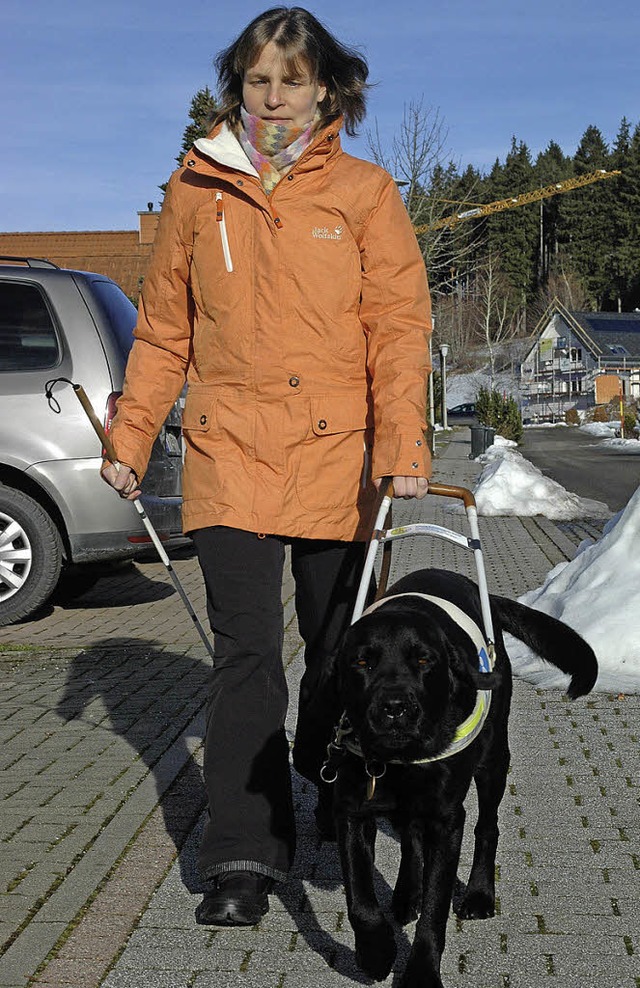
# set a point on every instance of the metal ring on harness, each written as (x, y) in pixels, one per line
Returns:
(325, 767)
(374, 775)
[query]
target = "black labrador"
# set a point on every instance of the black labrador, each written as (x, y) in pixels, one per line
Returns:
(411, 681)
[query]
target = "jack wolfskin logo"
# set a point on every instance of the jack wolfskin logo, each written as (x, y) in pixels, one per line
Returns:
(324, 233)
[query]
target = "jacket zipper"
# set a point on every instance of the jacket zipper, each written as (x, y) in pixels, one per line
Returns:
(223, 232)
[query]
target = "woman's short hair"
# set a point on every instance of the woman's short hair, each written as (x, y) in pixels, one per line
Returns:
(306, 46)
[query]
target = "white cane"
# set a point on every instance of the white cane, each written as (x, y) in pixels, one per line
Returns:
(111, 454)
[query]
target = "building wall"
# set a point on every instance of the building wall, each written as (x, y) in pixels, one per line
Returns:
(122, 255)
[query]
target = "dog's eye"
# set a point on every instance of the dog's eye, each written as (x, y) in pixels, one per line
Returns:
(423, 660)
(361, 663)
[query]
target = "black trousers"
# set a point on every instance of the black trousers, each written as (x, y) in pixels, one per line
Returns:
(246, 756)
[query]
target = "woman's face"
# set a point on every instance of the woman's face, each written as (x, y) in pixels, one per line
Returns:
(269, 91)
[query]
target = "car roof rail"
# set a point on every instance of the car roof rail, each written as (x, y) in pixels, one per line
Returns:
(30, 262)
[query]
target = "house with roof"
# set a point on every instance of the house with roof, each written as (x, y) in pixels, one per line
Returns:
(579, 359)
(122, 255)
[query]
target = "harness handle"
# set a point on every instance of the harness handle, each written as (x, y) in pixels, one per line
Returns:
(386, 492)
(448, 490)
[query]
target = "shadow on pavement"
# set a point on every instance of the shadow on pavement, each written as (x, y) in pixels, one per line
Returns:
(149, 695)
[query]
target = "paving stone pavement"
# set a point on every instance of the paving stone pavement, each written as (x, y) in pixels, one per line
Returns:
(101, 721)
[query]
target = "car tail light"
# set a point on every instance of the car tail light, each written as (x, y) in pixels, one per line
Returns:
(109, 414)
(143, 539)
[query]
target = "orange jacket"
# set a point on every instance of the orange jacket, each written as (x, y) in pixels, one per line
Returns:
(300, 322)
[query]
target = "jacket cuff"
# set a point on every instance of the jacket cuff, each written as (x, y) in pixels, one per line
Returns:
(400, 456)
(131, 454)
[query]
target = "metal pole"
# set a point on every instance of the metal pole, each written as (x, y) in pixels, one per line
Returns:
(432, 413)
(444, 350)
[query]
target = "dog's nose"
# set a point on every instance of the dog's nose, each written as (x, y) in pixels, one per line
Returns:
(394, 708)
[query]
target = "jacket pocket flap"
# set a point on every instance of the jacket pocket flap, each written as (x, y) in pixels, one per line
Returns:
(198, 413)
(340, 413)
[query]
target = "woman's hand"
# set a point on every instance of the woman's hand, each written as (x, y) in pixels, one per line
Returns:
(407, 487)
(122, 478)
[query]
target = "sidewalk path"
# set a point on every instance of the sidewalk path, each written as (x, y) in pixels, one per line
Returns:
(101, 717)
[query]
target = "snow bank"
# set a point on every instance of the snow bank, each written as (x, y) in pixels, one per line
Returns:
(596, 594)
(510, 485)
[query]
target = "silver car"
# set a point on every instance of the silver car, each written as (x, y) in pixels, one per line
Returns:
(55, 511)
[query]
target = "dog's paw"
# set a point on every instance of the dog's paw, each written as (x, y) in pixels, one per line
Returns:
(376, 951)
(415, 976)
(473, 903)
(405, 909)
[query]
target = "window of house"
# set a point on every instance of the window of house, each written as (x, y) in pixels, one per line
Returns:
(28, 339)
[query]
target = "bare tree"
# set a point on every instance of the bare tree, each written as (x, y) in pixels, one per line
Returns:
(566, 285)
(497, 311)
(418, 159)
(417, 150)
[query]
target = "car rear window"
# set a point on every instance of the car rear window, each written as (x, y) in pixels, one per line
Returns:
(28, 339)
(119, 310)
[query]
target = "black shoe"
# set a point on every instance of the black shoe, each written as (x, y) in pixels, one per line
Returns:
(239, 899)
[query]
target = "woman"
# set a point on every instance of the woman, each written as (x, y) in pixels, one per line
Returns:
(287, 289)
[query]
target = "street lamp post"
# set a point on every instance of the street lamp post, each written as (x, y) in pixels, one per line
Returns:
(444, 350)
(432, 413)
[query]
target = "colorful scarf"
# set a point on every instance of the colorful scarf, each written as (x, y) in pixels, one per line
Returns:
(272, 148)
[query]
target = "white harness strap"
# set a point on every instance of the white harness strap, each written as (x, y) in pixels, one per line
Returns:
(469, 729)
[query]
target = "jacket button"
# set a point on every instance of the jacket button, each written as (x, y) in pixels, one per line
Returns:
(203, 420)
(289, 178)
(239, 182)
(322, 424)
(414, 466)
(294, 381)
(418, 442)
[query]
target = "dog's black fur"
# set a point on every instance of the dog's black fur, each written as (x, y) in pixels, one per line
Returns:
(407, 676)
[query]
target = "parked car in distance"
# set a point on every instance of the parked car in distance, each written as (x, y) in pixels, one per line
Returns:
(56, 513)
(464, 414)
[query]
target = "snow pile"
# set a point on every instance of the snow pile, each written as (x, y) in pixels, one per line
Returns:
(546, 425)
(606, 430)
(596, 594)
(510, 485)
(628, 445)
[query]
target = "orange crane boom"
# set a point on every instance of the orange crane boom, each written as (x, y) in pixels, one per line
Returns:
(526, 197)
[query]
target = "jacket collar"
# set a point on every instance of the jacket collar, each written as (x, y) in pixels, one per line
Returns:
(223, 148)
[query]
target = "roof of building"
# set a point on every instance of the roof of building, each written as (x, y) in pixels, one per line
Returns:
(615, 333)
(118, 254)
(608, 335)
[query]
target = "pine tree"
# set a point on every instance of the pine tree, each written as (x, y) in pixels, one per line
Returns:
(624, 268)
(587, 226)
(514, 233)
(551, 166)
(201, 114)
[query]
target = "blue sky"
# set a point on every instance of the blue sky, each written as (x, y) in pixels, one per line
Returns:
(96, 95)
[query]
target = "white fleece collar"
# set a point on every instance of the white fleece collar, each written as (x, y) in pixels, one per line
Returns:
(225, 149)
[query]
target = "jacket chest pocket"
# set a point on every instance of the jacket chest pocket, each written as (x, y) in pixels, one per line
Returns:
(217, 279)
(221, 223)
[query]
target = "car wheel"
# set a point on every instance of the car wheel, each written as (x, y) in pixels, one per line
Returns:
(30, 555)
